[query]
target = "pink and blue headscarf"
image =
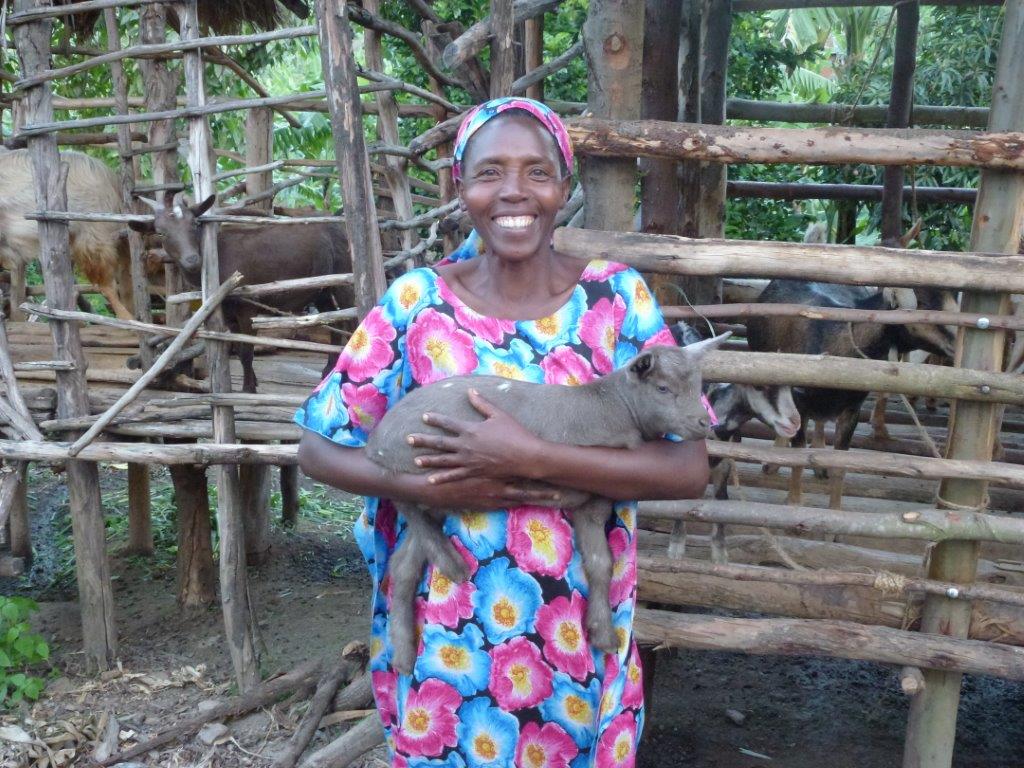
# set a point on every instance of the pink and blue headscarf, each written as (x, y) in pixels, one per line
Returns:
(478, 116)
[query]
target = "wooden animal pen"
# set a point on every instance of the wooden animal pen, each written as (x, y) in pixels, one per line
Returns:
(924, 581)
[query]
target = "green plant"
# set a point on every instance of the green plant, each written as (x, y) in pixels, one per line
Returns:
(20, 650)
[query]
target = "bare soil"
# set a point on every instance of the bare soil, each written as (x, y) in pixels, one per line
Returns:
(312, 598)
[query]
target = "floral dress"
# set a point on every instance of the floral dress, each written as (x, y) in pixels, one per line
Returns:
(504, 676)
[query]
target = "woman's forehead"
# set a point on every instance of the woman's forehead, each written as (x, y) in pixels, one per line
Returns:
(510, 133)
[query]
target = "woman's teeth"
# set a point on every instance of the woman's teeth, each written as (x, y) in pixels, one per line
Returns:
(514, 222)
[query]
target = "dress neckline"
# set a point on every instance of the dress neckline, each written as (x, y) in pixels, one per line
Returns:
(463, 305)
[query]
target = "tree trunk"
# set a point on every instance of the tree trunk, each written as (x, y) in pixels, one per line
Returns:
(259, 143)
(196, 575)
(255, 484)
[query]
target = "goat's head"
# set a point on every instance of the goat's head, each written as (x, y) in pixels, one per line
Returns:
(662, 386)
(736, 404)
(939, 339)
(178, 226)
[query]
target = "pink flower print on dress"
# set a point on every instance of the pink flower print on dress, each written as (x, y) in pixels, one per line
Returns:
(544, 746)
(563, 366)
(385, 687)
(438, 349)
(633, 692)
(540, 540)
(369, 350)
(492, 329)
(623, 566)
(428, 724)
(519, 676)
(617, 745)
(366, 405)
(599, 330)
(560, 623)
(448, 601)
(663, 338)
(600, 269)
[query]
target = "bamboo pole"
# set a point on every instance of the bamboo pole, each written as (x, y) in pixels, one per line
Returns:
(852, 265)
(95, 594)
(816, 146)
(838, 639)
(974, 427)
(235, 602)
(852, 114)
(350, 153)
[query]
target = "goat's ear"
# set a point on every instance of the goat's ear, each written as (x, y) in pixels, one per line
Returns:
(145, 227)
(642, 365)
(203, 207)
(900, 298)
(694, 352)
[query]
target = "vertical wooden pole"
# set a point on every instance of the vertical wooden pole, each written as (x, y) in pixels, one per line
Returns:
(716, 29)
(901, 100)
(613, 38)
(234, 588)
(195, 586)
(974, 427)
(18, 526)
(533, 53)
(289, 495)
(689, 112)
(259, 126)
(95, 594)
(503, 55)
(350, 153)
(659, 179)
(140, 522)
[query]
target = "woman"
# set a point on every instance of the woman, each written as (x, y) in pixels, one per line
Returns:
(505, 676)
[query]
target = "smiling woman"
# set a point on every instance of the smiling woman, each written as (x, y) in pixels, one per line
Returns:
(505, 674)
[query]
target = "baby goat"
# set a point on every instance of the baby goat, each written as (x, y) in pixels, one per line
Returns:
(656, 393)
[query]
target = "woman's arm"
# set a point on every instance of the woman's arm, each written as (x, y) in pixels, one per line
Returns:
(350, 470)
(500, 447)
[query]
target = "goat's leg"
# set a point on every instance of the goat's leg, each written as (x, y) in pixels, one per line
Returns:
(588, 524)
(879, 431)
(406, 570)
(18, 289)
(119, 309)
(846, 425)
(427, 527)
(780, 442)
(818, 441)
(796, 493)
(246, 355)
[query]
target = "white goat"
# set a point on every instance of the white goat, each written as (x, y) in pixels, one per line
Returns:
(98, 249)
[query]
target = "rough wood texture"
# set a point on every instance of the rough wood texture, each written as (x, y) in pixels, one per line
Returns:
(93, 571)
(849, 114)
(613, 37)
(855, 265)
(259, 127)
(533, 55)
(140, 523)
(347, 748)
(350, 151)
(151, 453)
(235, 601)
(196, 575)
(503, 55)
(716, 28)
(798, 191)
(974, 427)
(289, 496)
(901, 97)
(818, 146)
(840, 639)
(18, 526)
(254, 480)
(473, 40)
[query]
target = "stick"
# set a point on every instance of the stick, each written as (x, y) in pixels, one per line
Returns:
(356, 741)
(304, 321)
(279, 286)
(159, 364)
(473, 40)
(17, 402)
(69, 9)
(10, 479)
(264, 694)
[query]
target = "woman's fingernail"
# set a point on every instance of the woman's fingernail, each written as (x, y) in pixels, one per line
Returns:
(419, 462)
(410, 440)
(426, 418)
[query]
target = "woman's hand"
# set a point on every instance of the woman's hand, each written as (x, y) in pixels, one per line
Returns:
(498, 447)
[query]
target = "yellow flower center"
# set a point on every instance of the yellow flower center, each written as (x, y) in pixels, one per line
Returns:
(641, 293)
(454, 657)
(475, 521)
(539, 533)
(507, 371)
(577, 709)
(633, 673)
(622, 749)
(609, 337)
(439, 353)
(569, 634)
(534, 755)
(547, 325)
(409, 295)
(520, 677)
(484, 746)
(440, 584)
(504, 613)
(360, 339)
(573, 381)
(417, 720)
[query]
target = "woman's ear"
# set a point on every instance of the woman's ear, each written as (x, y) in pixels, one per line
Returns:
(566, 189)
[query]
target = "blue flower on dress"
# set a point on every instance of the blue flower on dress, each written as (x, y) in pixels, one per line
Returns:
(560, 328)
(454, 760)
(408, 295)
(574, 707)
(487, 734)
(457, 659)
(624, 352)
(390, 382)
(483, 533)
(506, 600)
(380, 648)
(643, 318)
(325, 413)
(575, 577)
(516, 362)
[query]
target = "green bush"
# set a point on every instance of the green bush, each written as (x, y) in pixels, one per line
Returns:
(20, 650)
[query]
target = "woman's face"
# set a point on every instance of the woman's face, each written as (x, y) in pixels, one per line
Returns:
(512, 186)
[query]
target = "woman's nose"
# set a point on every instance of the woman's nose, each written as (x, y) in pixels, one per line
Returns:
(512, 187)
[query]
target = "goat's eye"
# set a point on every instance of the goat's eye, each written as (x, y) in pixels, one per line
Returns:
(662, 388)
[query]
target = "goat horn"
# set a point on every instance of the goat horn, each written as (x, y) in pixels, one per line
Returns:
(156, 206)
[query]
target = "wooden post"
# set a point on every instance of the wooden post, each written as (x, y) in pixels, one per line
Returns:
(659, 179)
(259, 127)
(234, 589)
(716, 27)
(533, 53)
(689, 112)
(95, 594)
(350, 152)
(503, 55)
(974, 427)
(613, 38)
(196, 585)
(18, 526)
(140, 523)
(901, 100)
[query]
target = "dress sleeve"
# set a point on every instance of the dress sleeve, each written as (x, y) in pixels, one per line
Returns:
(370, 375)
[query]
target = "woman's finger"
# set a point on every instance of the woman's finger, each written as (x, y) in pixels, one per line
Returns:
(434, 442)
(448, 476)
(439, 460)
(447, 423)
(482, 405)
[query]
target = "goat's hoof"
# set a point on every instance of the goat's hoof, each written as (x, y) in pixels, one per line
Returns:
(603, 637)
(402, 662)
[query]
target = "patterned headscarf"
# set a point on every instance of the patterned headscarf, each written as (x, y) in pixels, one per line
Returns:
(480, 114)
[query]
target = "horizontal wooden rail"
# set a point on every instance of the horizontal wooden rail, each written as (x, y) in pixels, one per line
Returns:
(925, 524)
(837, 639)
(813, 146)
(151, 453)
(777, 190)
(125, 218)
(850, 114)
(883, 317)
(778, 5)
(69, 9)
(853, 265)
(265, 289)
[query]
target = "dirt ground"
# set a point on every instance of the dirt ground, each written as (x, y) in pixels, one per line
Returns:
(312, 598)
